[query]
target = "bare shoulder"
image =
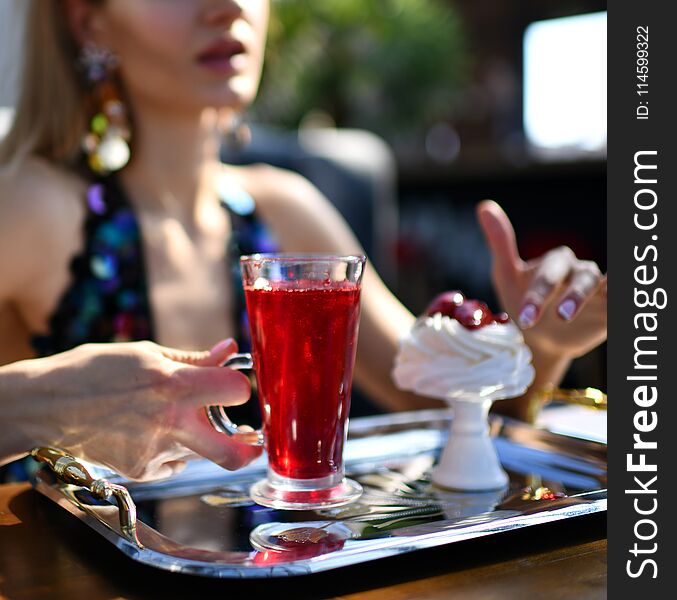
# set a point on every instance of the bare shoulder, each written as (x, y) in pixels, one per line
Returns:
(299, 215)
(40, 196)
(277, 189)
(40, 213)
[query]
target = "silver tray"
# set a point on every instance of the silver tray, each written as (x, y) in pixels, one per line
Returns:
(202, 522)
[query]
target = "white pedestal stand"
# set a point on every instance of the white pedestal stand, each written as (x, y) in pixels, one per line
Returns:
(469, 461)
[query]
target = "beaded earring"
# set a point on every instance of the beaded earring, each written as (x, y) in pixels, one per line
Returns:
(106, 142)
(237, 133)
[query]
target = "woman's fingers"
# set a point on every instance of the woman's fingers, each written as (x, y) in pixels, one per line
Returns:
(218, 447)
(553, 269)
(166, 470)
(207, 358)
(500, 236)
(159, 471)
(219, 353)
(207, 386)
(585, 281)
(163, 462)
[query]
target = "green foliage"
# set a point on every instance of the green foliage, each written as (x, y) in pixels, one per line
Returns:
(391, 66)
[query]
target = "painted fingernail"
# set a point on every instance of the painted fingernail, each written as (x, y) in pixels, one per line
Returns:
(221, 346)
(567, 309)
(527, 315)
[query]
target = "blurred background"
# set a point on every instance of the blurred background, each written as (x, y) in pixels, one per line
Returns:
(406, 113)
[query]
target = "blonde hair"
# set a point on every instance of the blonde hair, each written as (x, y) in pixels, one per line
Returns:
(50, 116)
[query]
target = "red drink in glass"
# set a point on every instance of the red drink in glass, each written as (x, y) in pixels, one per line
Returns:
(304, 337)
(303, 315)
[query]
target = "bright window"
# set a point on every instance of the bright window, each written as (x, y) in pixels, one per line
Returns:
(565, 86)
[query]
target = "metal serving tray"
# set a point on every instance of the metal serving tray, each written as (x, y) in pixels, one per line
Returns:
(202, 521)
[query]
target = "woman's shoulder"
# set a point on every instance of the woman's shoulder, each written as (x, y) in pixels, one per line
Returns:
(300, 215)
(42, 191)
(273, 187)
(277, 190)
(41, 208)
(38, 187)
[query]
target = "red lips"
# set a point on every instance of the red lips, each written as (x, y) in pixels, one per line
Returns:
(217, 56)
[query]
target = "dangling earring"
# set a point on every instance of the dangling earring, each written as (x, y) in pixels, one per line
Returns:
(106, 142)
(237, 134)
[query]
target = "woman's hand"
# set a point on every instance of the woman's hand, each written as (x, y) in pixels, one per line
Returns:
(135, 407)
(558, 300)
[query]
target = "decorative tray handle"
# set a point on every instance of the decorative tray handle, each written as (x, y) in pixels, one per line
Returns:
(590, 397)
(70, 471)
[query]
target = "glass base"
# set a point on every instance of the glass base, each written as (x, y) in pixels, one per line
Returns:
(286, 497)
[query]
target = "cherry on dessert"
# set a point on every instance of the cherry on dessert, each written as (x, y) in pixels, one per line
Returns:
(445, 303)
(472, 314)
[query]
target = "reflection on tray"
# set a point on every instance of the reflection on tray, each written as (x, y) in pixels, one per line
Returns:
(202, 521)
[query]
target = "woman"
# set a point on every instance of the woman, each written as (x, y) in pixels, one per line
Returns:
(147, 246)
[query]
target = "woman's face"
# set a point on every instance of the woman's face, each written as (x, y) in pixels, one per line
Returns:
(186, 54)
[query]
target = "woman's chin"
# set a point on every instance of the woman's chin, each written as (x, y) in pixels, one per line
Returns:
(228, 95)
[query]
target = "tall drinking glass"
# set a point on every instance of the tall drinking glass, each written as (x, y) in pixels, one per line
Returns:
(303, 314)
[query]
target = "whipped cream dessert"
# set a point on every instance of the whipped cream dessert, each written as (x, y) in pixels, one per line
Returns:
(460, 350)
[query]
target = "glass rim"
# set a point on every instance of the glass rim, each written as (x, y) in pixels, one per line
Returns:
(302, 257)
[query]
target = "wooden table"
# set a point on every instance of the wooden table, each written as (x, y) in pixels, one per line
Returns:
(46, 553)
